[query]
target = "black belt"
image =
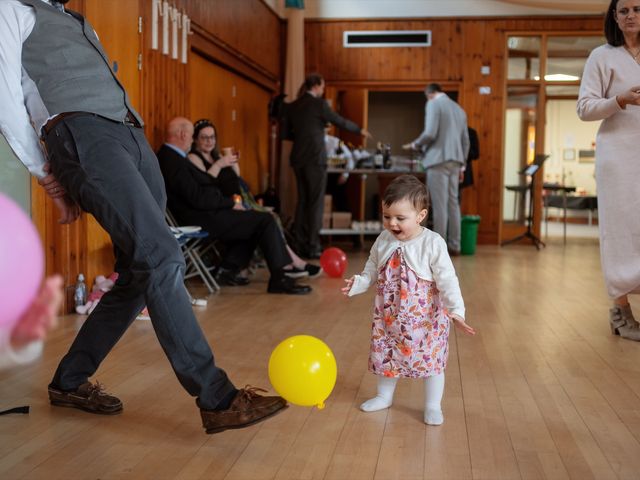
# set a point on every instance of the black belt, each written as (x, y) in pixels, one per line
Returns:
(129, 120)
(132, 121)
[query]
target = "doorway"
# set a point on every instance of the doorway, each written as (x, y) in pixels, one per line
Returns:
(543, 73)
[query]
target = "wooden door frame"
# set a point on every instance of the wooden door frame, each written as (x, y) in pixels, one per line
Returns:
(508, 229)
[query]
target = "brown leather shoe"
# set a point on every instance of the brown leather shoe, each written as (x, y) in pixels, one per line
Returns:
(246, 409)
(88, 397)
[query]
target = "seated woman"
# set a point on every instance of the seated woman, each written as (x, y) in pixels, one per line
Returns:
(226, 172)
(194, 199)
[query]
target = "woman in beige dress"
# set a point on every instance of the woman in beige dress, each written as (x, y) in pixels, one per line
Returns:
(610, 91)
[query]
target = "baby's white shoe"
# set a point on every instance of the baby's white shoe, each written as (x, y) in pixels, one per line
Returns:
(433, 417)
(374, 404)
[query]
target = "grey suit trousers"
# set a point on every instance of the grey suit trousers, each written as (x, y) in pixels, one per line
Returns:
(442, 183)
(111, 172)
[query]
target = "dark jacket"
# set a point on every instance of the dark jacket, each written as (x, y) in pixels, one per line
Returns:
(304, 122)
(474, 154)
(190, 191)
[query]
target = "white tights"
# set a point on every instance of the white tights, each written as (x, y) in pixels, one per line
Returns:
(433, 389)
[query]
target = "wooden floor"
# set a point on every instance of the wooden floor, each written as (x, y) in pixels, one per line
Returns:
(543, 391)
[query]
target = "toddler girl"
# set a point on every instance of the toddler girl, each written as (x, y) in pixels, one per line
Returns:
(417, 295)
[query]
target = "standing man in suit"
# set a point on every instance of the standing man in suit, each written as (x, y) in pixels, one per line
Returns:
(56, 85)
(445, 140)
(304, 123)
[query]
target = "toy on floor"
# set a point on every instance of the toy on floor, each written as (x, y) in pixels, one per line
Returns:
(101, 286)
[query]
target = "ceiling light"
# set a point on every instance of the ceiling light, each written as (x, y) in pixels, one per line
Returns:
(561, 77)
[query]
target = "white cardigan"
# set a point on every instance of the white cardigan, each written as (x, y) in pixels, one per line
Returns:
(426, 255)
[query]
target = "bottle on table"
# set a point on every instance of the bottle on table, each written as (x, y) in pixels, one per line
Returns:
(378, 158)
(386, 157)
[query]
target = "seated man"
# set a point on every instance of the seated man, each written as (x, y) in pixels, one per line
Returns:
(193, 198)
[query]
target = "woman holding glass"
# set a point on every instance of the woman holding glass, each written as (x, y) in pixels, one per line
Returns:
(225, 169)
(610, 91)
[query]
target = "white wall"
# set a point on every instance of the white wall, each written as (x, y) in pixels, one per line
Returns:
(565, 131)
(512, 154)
(442, 8)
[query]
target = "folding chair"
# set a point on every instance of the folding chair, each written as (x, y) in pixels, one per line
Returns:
(191, 244)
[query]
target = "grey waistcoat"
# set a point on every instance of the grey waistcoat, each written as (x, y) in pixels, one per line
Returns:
(64, 58)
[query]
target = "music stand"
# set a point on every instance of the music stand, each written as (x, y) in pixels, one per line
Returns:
(530, 171)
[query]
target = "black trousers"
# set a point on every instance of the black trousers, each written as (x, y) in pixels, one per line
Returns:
(312, 184)
(111, 172)
(242, 232)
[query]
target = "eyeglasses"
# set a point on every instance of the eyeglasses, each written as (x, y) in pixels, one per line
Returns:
(623, 12)
(206, 137)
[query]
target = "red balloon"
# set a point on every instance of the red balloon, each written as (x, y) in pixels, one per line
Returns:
(334, 262)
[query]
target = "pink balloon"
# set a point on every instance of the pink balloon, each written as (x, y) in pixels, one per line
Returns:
(21, 262)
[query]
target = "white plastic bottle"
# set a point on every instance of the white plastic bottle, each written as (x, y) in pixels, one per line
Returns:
(80, 292)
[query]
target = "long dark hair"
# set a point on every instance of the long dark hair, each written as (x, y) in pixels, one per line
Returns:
(611, 29)
(197, 128)
(311, 81)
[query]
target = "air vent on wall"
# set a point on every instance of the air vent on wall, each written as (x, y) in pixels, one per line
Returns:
(387, 38)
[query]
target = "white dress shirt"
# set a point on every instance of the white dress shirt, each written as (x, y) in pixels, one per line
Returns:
(426, 255)
(23, 112)
(331, 144)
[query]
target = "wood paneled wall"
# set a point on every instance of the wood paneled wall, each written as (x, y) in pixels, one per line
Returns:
(233, 105)
(459, 48)
(163, 89)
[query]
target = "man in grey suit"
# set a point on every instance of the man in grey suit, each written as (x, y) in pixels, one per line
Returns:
(445, 141)
(304, 122)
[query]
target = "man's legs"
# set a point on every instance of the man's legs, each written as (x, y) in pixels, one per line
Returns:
(243, 231)
(247, 229)
(315, 177)
(300, 222)
(110, 170)
(442, 182)
(437, 184)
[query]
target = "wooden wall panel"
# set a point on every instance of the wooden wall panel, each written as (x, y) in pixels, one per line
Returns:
(249, 27)
(353, 104)
(459, 48)
(164, 86)
(238, 109)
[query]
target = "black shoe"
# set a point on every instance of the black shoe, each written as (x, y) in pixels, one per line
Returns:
(295, 272)
(230, 278)
(287, 285)
(313, 270)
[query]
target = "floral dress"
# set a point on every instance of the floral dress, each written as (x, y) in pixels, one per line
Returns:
(410, 328)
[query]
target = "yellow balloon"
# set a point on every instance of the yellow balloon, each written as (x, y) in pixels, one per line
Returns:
(303, 370)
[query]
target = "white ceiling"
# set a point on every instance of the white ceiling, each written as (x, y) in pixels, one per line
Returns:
(442, 8)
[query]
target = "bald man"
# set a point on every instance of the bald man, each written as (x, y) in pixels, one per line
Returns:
(195, 198)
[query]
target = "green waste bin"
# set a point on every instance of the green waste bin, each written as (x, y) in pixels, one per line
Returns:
(469, 234)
